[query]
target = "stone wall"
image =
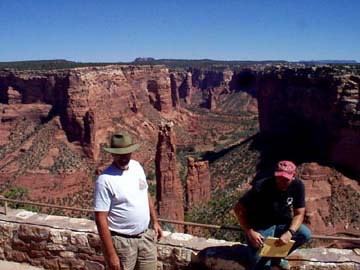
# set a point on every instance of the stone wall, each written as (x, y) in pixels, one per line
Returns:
(54, 242)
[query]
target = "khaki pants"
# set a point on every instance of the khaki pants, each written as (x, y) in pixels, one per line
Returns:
(137, 253)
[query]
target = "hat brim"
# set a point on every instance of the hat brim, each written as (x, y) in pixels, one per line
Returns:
(124, 150)
(285, 174)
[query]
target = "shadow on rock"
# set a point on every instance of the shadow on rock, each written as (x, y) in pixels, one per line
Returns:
(236, 256)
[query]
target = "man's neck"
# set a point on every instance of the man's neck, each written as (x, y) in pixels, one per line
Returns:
(123, 168)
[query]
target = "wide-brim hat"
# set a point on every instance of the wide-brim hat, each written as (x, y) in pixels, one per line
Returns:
(121, 143)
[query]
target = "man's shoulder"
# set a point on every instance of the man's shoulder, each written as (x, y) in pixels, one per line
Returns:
(133, 164)
(297, 183)
(109, 170)
(262, 183)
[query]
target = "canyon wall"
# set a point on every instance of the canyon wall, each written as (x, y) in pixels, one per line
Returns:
(92, 102)
(332, 202)
(313, 113)
(54, 123)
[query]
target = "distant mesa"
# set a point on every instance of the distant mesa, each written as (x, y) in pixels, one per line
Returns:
(144, 59)
(329, 61)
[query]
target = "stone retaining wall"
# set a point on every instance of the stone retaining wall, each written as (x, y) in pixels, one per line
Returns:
(54, 242)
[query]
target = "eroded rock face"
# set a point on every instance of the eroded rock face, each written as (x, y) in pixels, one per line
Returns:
(99, 96)
(168, 185)
(314, 112)
(55, 123)
(198, 185)
(316, 109)
(90, 100)
(332, 201)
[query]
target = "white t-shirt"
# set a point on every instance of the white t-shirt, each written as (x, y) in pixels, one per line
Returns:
(123, 193)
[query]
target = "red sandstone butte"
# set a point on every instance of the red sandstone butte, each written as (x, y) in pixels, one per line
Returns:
(169, 191)
(198, 186)
(332, 201)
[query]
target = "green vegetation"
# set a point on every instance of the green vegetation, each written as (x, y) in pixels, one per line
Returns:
(218, 211)
(47, 64)
(230, 169)
(152, 189)
(19, 193)
(151, 175)
(170, 63)
(67, 160)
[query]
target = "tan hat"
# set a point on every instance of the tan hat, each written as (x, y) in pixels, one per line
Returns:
(121, 143)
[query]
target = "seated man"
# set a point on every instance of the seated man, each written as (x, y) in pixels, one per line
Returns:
(265, 210)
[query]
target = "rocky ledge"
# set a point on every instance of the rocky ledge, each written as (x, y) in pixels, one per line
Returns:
(55, 242)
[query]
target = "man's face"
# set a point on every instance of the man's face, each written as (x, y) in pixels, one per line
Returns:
(121, 161)
(283, 183)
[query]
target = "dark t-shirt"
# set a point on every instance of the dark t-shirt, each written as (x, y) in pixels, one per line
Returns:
(267, 206)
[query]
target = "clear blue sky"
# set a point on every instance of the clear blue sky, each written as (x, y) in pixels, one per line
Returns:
(116, 30)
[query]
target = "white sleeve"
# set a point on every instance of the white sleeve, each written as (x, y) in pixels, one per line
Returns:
(142, 173)
(102, 197)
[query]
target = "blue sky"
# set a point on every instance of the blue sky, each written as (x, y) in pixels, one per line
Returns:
(113, 31)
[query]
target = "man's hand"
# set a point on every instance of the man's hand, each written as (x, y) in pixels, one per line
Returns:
(114, 262)
(284, 239)
(158, 231)
(255, 238)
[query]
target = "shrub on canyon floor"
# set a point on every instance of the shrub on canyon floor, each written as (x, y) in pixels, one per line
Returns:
(218, 211)
(19, 193)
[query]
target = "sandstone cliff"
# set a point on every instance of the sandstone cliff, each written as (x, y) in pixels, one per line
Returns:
(88, 104)
(332, 202)
(90, 100)
(313, 113)
(54, 123)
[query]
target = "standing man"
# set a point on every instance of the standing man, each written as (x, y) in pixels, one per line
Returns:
(275, 207)
(123, 209)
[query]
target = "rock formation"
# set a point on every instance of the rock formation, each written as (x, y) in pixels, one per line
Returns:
(89, 99)
(88, 104)
(313, 113)
(174, 90)
(332, 201)
(198, 185)
(211, 104)
(169, 191)
(188, 88)
(310, 114)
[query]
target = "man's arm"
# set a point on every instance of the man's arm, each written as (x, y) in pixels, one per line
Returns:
(154, 220)
(105, 236)
(296, 222)
(255, 238)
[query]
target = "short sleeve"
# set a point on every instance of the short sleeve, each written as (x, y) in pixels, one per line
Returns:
(299, 198)
(142, 172)
(102, 197)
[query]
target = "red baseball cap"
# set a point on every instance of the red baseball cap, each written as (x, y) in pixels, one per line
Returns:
(286, 168)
